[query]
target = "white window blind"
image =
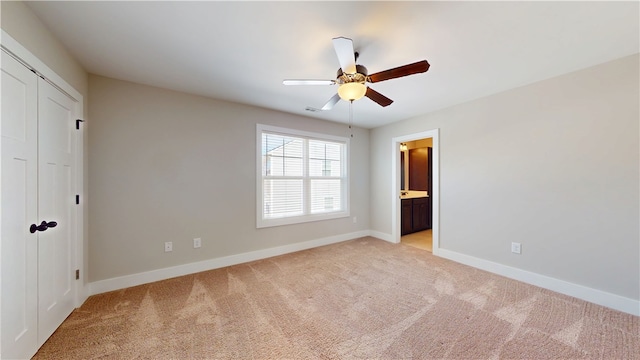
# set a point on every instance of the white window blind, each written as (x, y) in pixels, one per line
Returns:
(301, 176)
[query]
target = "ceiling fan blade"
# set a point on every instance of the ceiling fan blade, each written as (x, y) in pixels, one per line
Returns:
(377, 97)
(415, 68)
(308, 82)
(346, 55)
(331, 103)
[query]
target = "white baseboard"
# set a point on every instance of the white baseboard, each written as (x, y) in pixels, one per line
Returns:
(98, 287)
(381, 236)
(595, 296)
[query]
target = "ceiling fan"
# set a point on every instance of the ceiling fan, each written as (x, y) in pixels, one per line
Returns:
(352, 78)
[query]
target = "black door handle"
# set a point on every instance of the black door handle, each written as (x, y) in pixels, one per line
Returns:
(43, 226)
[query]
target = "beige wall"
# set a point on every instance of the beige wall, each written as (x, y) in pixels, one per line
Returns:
(553, 165)
(21, 24)
(540, 178)
(168, 166)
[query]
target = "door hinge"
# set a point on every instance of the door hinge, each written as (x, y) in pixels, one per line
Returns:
(77, 274)
(77, 199)
(78, 121)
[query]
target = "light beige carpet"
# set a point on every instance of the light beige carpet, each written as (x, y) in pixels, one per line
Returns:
(361, 299)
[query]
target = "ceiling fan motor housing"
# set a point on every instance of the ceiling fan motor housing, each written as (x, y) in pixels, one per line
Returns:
(360, 75)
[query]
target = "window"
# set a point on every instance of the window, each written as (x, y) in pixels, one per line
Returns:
(301, 176)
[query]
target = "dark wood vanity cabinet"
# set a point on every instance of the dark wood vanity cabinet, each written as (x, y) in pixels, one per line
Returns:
(406, 216)
(420, 214)
(415, 215)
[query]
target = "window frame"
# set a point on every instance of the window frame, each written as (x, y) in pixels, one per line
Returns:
(307, 216)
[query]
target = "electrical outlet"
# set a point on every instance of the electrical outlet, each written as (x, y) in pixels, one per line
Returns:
(355, 219)
(197, 242)
(168, 246)
(516, 248)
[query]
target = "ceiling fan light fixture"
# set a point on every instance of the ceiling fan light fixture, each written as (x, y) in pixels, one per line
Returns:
(352, 91)
(352, 78)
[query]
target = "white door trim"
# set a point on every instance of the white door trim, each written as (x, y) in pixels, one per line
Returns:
(16, 50)
(395, 185)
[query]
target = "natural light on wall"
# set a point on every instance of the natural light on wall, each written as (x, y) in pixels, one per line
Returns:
(301, 176)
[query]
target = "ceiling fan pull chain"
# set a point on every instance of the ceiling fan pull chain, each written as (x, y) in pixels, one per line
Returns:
(351, 116)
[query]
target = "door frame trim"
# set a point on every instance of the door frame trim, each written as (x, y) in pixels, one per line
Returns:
(24, 56)
(395, 185)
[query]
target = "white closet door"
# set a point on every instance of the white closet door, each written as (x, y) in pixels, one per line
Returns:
(56, 203)
(38, 181)
(19, 210)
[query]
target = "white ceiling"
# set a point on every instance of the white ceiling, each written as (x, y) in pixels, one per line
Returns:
(241, 51)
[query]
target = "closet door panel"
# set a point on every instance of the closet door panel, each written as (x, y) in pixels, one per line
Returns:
(56, 123)
(19, 322)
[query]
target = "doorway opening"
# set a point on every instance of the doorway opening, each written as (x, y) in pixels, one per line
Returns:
(415, 189)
